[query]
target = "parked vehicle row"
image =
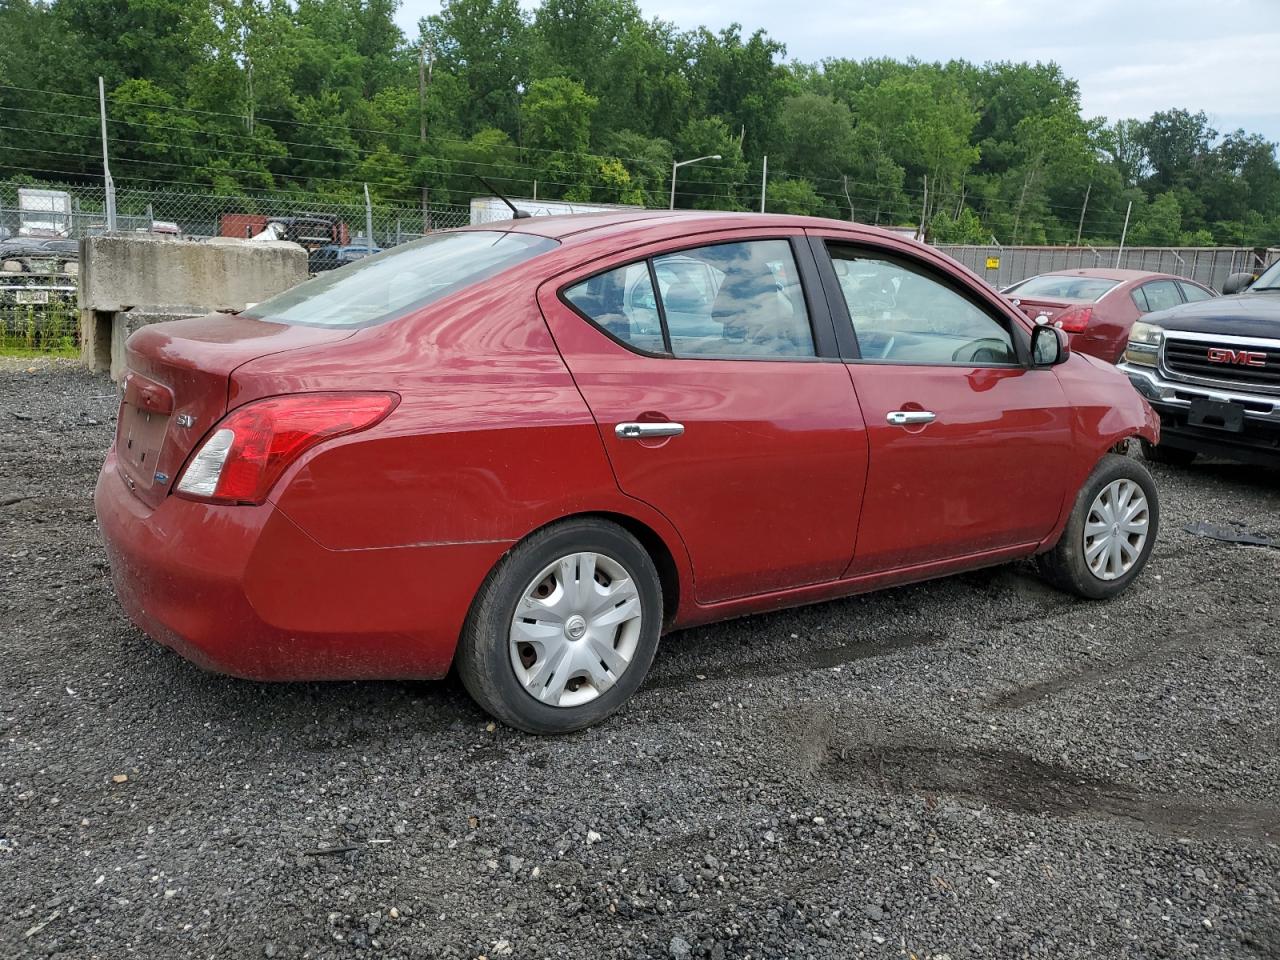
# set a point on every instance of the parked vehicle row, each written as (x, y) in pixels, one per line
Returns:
(38, 270)
(1211, 369)
(1097, 307)
(530, 448)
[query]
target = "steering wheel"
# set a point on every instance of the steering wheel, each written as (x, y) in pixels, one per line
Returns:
(986, 350)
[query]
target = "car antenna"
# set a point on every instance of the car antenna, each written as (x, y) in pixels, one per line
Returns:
(516, 212)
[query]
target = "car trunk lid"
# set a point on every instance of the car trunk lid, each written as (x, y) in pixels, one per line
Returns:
(176, 387)
(1044, 309)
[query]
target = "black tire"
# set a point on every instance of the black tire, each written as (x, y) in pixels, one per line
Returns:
(1170, 456)
(484, 660)
(1065, 567)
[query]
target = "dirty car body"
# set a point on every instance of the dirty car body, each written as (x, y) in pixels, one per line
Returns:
(327, 485)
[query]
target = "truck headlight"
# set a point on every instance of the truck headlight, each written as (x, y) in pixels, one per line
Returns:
(1144, 343)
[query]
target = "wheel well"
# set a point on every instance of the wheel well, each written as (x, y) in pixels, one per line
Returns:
(656, 547)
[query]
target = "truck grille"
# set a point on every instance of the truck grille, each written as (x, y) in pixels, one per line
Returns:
(1190, 358)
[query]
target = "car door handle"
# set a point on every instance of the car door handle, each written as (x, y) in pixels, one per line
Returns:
(645, 431)
(905, 418)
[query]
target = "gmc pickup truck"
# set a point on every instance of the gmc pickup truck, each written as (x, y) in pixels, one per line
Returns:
(1211, 369)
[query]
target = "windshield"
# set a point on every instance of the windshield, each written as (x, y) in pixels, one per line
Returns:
(388, 285)
(1270, 279)
(1086, 289)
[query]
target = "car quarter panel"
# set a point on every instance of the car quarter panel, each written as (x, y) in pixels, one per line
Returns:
(490, 440)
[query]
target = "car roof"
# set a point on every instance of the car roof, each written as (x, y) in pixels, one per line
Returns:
(659, 224)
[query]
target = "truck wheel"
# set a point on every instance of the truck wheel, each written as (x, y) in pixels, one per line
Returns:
(563, 631)
(1110, 533)
(1171, 456)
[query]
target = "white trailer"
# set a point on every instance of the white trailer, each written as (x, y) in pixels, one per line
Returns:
(44, 213)
(489, 209)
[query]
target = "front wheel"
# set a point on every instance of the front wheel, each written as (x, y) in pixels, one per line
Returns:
(1110, 533)
(564, 630)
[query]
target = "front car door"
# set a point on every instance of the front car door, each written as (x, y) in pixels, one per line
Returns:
(970, 448)
(714, 378)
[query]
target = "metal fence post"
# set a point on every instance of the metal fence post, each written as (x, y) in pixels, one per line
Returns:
(368, 220)
(106, 170)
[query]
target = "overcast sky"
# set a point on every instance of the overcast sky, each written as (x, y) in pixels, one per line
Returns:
(1131, 57)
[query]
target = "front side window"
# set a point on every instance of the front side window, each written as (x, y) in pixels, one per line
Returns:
(728, 300)
(390, 284)
(1192, 293)
(901, 315)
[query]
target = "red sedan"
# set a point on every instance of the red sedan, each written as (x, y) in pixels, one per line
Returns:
(1097, 307)
(529, 449)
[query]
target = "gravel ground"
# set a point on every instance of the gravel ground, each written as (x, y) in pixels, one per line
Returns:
(978, 767)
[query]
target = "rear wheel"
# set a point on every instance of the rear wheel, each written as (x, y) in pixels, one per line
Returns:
(1173, 456)
(564, 630)
(1110, 533)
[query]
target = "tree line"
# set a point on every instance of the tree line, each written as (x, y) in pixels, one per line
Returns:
(588, 100)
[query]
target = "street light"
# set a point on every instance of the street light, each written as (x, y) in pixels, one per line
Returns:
(685, 163)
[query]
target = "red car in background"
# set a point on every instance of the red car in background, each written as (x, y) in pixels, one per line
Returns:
(1097, 307)
(531, 448)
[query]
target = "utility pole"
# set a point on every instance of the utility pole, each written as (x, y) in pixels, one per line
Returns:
(424, 79)
(108, 183)
(368, 222)
(764, 180)
(248, 73)
(1124, 233)
(924, 209)
(1083, 208)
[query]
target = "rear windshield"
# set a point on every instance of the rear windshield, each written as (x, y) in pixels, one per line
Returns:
(390, 284)
(1087, 289)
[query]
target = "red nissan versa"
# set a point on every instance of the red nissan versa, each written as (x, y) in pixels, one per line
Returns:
(1098, 307)
(531, 448)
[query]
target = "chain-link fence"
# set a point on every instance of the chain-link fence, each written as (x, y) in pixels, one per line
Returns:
(37, 252)
(39, 224)
(210, 215)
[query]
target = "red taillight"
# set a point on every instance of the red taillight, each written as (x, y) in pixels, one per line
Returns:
(251, 447)
(1074, 320)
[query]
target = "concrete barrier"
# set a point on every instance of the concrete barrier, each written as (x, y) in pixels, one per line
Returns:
(128, 281)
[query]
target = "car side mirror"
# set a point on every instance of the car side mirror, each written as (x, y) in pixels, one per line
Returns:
(1050, 345)
(1238, 283)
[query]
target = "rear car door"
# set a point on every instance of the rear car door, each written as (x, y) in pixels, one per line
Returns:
(713, 375)
(969, 447)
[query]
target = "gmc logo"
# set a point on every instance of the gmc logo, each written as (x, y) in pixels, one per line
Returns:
(1244, 358)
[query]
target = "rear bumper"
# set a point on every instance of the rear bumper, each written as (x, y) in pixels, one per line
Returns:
(1257, 442)
(244, 591)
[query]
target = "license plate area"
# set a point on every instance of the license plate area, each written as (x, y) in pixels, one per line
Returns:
(31, 296)
(1216, 415)
(141, 439)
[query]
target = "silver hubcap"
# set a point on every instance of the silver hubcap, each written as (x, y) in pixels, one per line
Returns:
(1116, 529)
(575, 629)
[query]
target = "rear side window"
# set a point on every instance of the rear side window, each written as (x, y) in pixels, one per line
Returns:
(387, 285)
(622, 304)
(1140, 300)
(729, 300)
(1161, 294)
(735, 300)
(903, 316)
(1192, 293)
